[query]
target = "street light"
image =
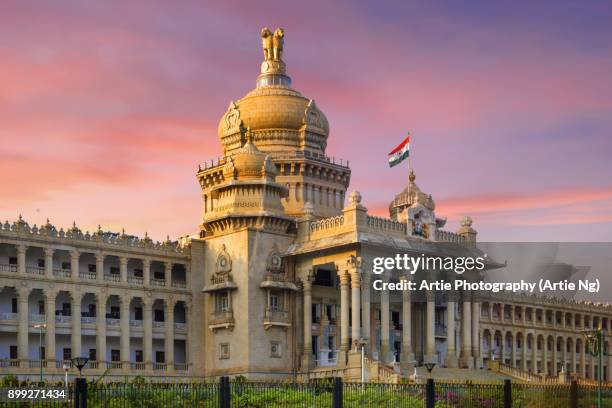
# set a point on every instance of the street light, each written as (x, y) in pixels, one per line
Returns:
(430, 366)
(66, 368)
(80, 362)
(362, 342)
(40, 327)
(595, 347)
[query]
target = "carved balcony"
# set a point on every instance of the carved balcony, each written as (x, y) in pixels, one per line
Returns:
(276, 318)
(221, 320)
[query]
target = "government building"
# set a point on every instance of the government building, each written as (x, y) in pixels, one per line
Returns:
(277, 282)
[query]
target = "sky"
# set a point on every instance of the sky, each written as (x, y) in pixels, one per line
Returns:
(106, 108)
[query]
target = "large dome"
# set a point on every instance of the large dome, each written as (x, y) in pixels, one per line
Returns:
(280, 118)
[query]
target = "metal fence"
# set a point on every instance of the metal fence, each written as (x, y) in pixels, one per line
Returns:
(324, 393)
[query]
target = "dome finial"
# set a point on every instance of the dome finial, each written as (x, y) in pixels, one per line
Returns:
(273, 68)
(411, 177)
(248, 136)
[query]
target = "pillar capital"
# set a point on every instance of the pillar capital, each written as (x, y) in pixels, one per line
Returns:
(21, 248)
(100, 256)
(146, 262)
(123, 260)
(50, 294)
(48, 251)
(23, 292)
(75, 252)
(345, 278)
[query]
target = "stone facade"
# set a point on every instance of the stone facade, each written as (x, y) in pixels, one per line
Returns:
(276, 283)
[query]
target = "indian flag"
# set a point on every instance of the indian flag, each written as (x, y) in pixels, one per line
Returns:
(399, 153)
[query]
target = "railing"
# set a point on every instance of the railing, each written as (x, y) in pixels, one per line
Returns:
(39, 318)
(158, 282)
(63, 319)
(112, 277)
(327, 223)
(221, 317)
(88, 320)
(180, 326)
(62, 273)
(62, 363)
(519, 373)
(440, 330)
(112, 321)
(115, 364)
(137, 366)
(183, 367)
(158, 325)
(160, 366)
(9, 362)
(179, 284)
(136, 323)
(136, 280)
(386, 224)
(8, 268)
(37, 363)
(276, 316)
(92, 364)
(9, 316)
(36, 270)
(447, 236)
(220, 278)
(87, 275)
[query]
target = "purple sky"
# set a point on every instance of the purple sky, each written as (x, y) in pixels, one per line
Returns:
(107, 107)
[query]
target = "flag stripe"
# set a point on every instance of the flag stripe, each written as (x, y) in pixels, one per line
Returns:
(401, 146)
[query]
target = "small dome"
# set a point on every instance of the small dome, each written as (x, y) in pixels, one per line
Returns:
(249, 162)
(410, 196)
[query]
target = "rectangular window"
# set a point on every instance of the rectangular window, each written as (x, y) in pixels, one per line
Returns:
(115, 355)
(66, 309)
(315, 346)
(275, 302)
(41, 307)
(91, 267)
(41, 263)
(66, 265)
(93, 355)
(14, 305)
(13, 352)
(12, 260)
(92, 310)
(160, 357)
(222, 302)
(114, 270)
(159, 275)
(138, 356)
(138, 313)
(138, 273)
(67, 353)
(114, 312)
(43, 354)
(275, 349)
(224, 351)
(159, 315)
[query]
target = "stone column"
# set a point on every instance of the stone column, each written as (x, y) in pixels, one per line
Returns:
(124, 341)
(188, 275)
(407, 356)
(49, 262)
(384, 327)
(553, 365)
(451, 350)
(573, 356)
(168, 273)
(123, 264)
(466, 360)
(365, 310)
(592, 362)
(430, 335)
(21, 259)
(23, 294)
(74, 263)
(100, 266)
(534, 353)
(609, 368)
(50, 330)
(75, 338)
(524, 352)
(147, 340)
(101, 330)
(583, 359)
(307, 362)
(344, 314)
(356, 303)
(513, 351)
(169, 340)
(146, 272)
(476, 335)
(545, 355)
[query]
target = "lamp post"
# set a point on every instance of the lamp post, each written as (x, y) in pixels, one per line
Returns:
(40, 327)
(362, 343)
(595, 347)
(430, 366)
(80, 362)
(66, 368)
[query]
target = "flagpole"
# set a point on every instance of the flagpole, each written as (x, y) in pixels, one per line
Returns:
(409, 159)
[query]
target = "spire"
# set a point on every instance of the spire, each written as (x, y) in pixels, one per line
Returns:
(273, 68)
